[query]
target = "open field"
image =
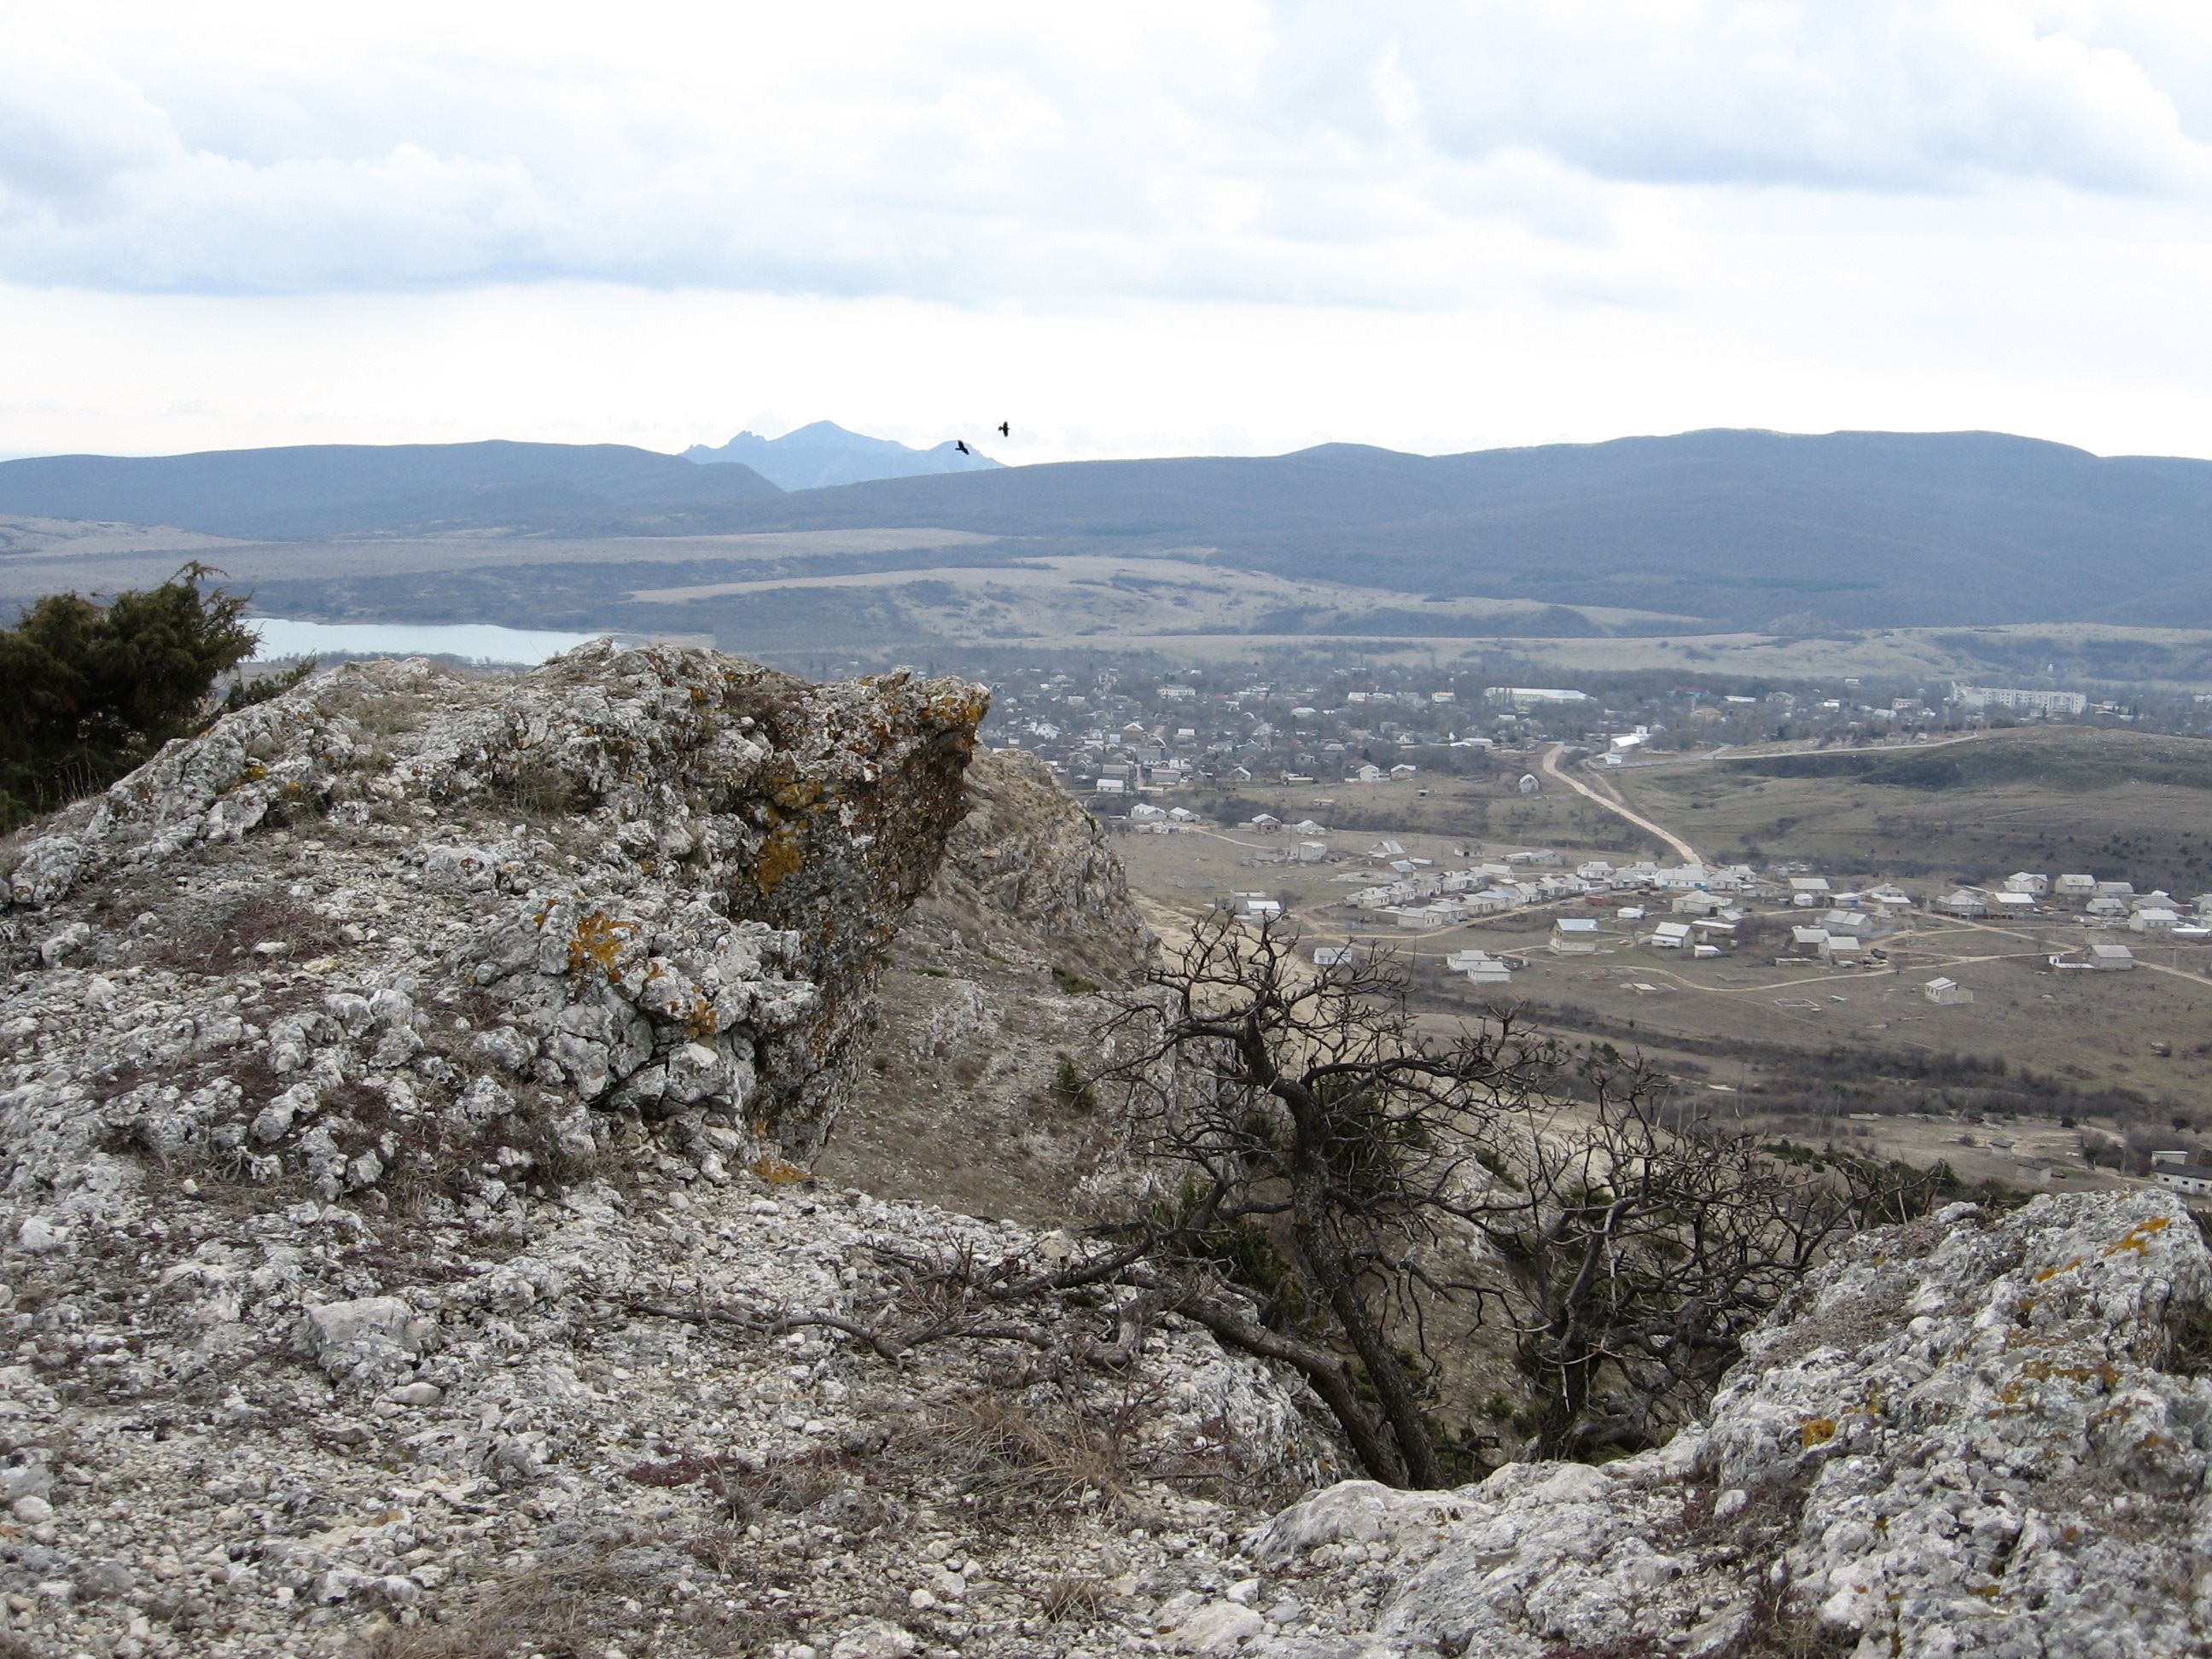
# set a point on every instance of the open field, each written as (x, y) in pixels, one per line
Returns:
(1855, 1056)
(911, 590)
(2129, 806)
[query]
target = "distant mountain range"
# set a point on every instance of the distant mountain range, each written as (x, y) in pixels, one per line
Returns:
(1737, 530)
(355, 489)
(824, 454)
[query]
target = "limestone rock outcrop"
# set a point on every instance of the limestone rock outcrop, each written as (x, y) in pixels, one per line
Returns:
(405, 1248)
(1977, 1434)
(397, 923)
(1029, 870)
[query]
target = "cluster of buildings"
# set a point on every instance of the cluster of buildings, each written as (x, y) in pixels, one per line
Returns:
(2115, 904)
(1700, 911)
(1119, 730)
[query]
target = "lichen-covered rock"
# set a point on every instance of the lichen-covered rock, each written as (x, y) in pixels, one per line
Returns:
(1973, 1434)
(402, 925)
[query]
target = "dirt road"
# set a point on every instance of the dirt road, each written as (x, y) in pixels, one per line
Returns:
(1550, 764)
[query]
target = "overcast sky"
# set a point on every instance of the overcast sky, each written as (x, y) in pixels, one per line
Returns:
(1209, 225)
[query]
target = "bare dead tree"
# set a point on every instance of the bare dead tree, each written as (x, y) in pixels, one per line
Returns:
(1313, 1106)
(1329, 1151)
(1637, 1257)
(1316, 1111)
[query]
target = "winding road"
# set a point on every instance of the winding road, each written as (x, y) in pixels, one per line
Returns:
(1550, 765)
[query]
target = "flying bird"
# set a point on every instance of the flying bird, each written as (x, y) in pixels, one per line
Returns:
(1004, 430)
(961, 445)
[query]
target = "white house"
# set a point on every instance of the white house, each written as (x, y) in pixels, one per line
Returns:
(2194, 1179)
(1145, 812)
(1479, 967)
(1965, 902)
(1312, 852)
(1335, 956)
(1671, 936)
(2153, 920)
(1945, 993)
(1423, 918)
(1811, 940)
(2028, 881)
(2074, 886)
(1842, 948)
(2111, 958)
(1574, 936)
(1854, 923)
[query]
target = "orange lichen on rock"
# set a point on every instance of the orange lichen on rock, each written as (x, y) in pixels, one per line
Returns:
(597, 942)
(2137, 1238)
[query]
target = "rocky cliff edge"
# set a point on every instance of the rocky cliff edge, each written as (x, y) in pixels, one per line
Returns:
(395, 911)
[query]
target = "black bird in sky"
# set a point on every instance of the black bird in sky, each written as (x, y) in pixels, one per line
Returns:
(1004, 430)
(961, 444)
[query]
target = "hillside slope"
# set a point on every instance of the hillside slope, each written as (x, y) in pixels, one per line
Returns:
(342, 489)
(1746, 528)
(1728, 530)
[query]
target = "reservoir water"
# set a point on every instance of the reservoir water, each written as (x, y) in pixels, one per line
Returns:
(471, 641)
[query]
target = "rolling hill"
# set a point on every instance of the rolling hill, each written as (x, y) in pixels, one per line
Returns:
(1725, 530)
(352, 490)
(1749, 529)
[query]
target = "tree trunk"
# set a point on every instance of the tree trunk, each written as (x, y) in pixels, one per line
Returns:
(1327, 1373)
(1309, 1208)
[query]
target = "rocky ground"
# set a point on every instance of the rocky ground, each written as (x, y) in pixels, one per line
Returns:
(405, 1239)
(1978, 1434)
(408, 1248)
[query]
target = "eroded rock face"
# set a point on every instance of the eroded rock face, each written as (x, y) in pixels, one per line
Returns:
(1027, 868)
(400, 924)
(1973, 1434)
(999, 979)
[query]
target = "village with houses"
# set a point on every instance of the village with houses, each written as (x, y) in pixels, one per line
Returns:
(1485, 834)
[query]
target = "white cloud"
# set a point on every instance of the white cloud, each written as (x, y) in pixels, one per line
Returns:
(1147, 227)
(1395, 155)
